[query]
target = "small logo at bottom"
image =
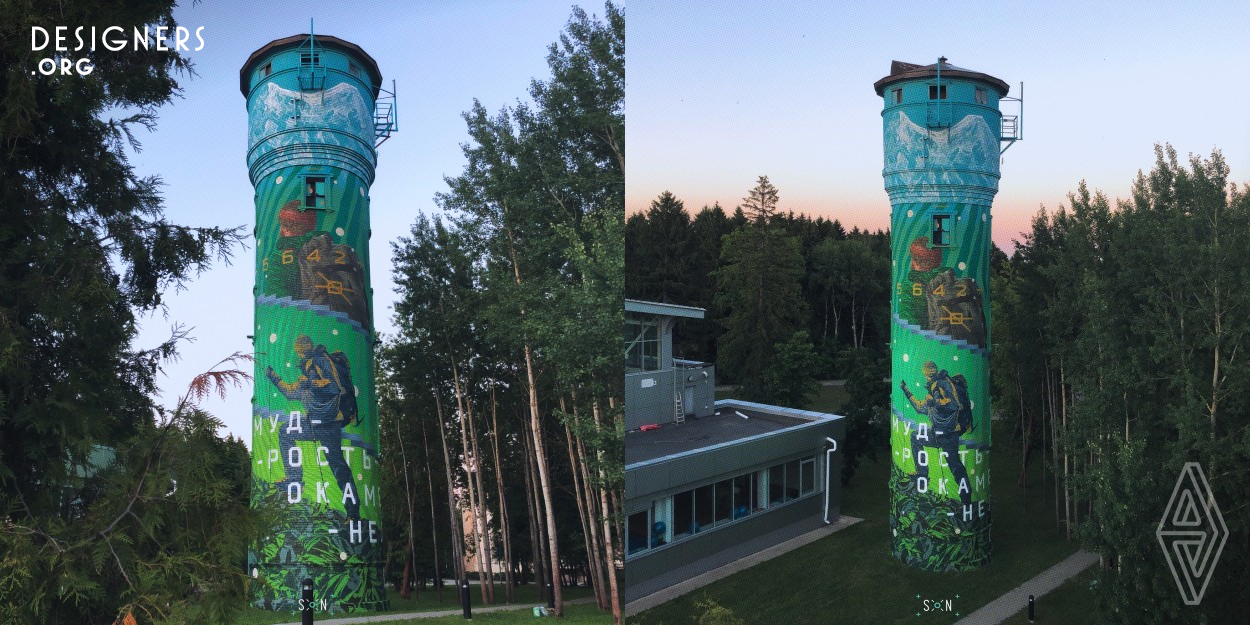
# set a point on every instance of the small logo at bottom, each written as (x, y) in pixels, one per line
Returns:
(1192, 533)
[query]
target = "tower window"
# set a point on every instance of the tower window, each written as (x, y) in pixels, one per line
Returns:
(266, 70)
(941, 231)
(937, 92)
(898, 96)
(310, 58)
(315, 192)
(354, 69)
(981, 96)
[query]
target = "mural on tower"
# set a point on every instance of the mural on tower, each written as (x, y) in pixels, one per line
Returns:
(941, 153)
(315, 434)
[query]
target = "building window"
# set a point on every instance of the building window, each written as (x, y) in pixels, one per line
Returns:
(898, 96)
(642, 347)
(742, 496)
(937, 92)
(266, 70)
(315, 192)
(660, 521)
(758, 490)
(703, 517)
(354, 69)
(941, 231)
(792, 480)
(784, 483)
(700, 509)
(637, 530)
(310, 58)
(724, 501)
(982, 98)
(683, 514)
(777, 485)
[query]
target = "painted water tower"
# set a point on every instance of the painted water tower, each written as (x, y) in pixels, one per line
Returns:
(944, 134)
(314, 121)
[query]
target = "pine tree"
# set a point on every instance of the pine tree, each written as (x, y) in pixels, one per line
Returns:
(760, 204)
(758, 290)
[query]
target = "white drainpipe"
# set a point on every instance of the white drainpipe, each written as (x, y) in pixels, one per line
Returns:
(828, 471)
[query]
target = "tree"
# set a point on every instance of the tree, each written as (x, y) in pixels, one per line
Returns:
(760, 204)
(758, 289)
(790, 378)
(851, 281)
(661, 260)
(696, 339)
(84, 249)
(539, 211)
(155, 524)
(1131, 314)
(866, 409)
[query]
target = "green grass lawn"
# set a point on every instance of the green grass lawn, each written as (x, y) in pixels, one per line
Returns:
(828, 399)
(850, 576)
(1070, 604)
(428, 600)
(825, 399)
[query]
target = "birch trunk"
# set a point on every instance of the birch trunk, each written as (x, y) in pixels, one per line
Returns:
(1067, 499)
(584, 513)
(457, 529)
(470, 467)
(540, 453)
(429, 478)
(538, 537)
(406, 591)
(608, 543)
(504, 522)
(483, 509)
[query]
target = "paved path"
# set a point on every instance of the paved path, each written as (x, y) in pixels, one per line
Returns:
(388, 618)
(699, 581)
(1017, 599)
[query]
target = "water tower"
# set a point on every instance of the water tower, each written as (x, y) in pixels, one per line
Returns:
(944, 134)
(315, 119)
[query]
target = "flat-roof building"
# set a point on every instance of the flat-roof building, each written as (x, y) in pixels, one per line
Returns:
(708, 482)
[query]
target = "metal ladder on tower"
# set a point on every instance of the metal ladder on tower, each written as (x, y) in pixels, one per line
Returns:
(679, 408)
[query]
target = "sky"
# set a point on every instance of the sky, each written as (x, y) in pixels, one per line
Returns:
(441, 54)
(721, 93)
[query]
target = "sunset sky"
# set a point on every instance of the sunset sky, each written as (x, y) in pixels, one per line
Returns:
(720, 94)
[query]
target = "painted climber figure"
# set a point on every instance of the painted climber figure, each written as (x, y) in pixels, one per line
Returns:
(942, 406)
(320, 388)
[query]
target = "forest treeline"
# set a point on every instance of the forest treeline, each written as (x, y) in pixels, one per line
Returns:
(1121, 352)
(841, 277)
(1120, 345)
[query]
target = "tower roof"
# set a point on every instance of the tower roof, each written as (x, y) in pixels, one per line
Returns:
(295, 41)
(900, 71)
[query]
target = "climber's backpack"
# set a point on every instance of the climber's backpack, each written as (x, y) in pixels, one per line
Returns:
(964, 418)
(347, 391)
